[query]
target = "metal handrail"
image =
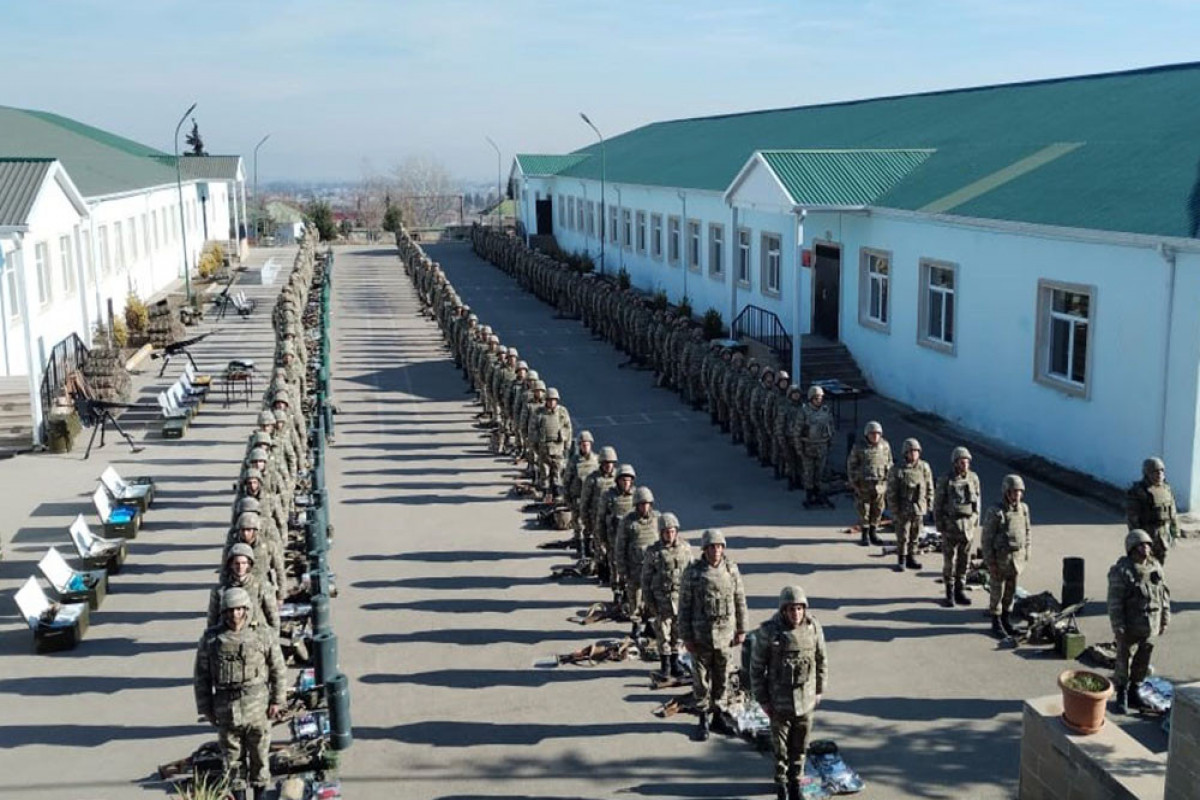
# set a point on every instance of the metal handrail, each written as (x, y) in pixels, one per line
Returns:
(765, 327)
(66, 357)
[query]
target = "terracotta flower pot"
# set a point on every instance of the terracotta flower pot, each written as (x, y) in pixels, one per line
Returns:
(1083, 711)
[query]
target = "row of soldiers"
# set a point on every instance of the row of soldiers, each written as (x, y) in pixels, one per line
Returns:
(240, 677)
(785, 427)
(697, 605)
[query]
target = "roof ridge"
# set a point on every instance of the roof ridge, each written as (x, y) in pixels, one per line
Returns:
(98, 135)
(841, 150)
(15, 159)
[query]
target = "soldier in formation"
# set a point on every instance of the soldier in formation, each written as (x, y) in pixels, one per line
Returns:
(788, 672)
(1139, 608)
(638, 530)
(1007, 544)
(956, 509)
(811, 436)
(867, 471)
(1150, 507)
(910, 496)
(662, 576)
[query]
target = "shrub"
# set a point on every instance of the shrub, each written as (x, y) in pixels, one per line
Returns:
(713, 327)
(685, 307)
(120, 333)
(623, 279)
(586, 264)
(658, 301)
(137, 316)
(208, 265)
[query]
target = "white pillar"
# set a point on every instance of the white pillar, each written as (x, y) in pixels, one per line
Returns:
(245, 217)
(231, 196)
(34, 377)
(796, 266)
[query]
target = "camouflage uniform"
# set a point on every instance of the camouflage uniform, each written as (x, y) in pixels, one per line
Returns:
(579, 468)
(553, 434)
(956, 514)
(1139, 608)
(910, 496)
(662, 573)
(812, 434)
(867, 471)
(615, 504)
(1007, 545)
(636, 534)
(1150, 506)
(595, 488)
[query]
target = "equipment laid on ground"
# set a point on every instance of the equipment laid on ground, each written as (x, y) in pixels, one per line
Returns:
(178, 348)
(593, 654)
(95, 551)
(55, 627)
(97, 415)
(89, 587)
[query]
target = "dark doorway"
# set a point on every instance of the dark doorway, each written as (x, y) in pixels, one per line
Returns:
(545, 217)
(827, 283)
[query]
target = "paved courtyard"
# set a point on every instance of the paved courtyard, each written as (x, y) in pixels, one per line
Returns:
(445, 600)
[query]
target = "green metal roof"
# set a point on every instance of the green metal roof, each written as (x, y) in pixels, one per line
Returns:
(545, 164)
(100, 163)
(841, 177)
(203, 168)
(20, 180)
(1115, 152)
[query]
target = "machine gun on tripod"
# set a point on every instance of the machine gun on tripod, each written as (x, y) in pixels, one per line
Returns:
(178, 348)
(97, 415)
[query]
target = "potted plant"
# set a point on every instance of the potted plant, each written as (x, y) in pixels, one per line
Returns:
(1084, 695)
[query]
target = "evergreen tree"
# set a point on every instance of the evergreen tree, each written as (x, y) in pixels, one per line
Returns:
(194, 141)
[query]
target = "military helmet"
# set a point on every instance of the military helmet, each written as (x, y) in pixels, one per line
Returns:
(472, 319)
(668, 520)
(538, 386)
(258, 454)
(280, 415)
(252, 472)
(911, 444)
(790, 595)
(512, 351)
(521, 365)
(261, 438)
(552, 393)
(1012, 482)
(503, 350)
(249, 519)
(608, 454)
(768, 371)
(793, 392)
(817, 391)
(493, 339)
(712, 536)
(626, 471)
(959, 452)
(1135, 537)
(643, 494)
(783, 375)
(873, 427)
(532, 375)
(486, 329)
(247, 503)
(1153, 464)
(236, 597)
(586, 436)
(738, 359)
(240, 549)
(265, 417)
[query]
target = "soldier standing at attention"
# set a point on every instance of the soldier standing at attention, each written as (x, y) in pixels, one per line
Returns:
(788, 670)
(712, 621)
(956, 515)
(637, 531)
(239, 683)
(910, 496)
(1150, 507)
(582, 463)
(812, 433)
(662, 573)
(867, 470)
(594, 489)
(1139, 608)
(554, 432)
(1006, 545)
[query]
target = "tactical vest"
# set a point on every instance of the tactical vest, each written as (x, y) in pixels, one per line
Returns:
(911, 480)
(874, 463)
(237, 660)
(1160, 503)
(583, 468)
(962, 496)
(553, 424)
(792, 667)
(602, 483)
(669, 562)
(619, 504)
(818, 424)
(1143, 595)
(1012, 530)
(641, 535)
(717, 604)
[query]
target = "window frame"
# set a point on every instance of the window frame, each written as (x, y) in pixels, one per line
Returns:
(674, 240)
(865, 319)
(44, 272)
(570, 212)
(590, 218)
(102, 249)
(66, 264)
(716, 250)
(656, 237)
(119, 248)
(1043, 349)
(640, 231)
(924, 306)
(8, 277)
(765, 257)
(745, 246)
(626, 228)
(694, 242)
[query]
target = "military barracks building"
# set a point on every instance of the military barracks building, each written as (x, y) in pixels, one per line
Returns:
(1019, 259)
(86, 217)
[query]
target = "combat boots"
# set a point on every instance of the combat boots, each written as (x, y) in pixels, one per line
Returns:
(873, 538)
(1121, 699)
(911, 562)
(949, 601)
(793, 790)
(866, 535)
(997, 629)
(960, 595)
(676, 666)
(701, 734)
(664, 665)
(1006, 624)
(1133, 699)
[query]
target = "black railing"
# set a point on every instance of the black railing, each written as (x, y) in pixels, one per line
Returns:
(66, 357)
(763, 326)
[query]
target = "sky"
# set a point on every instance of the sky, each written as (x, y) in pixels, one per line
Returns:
(349, 89)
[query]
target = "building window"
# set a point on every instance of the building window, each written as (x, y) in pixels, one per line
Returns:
(939, 280)
(133, 243)
(102, 246)
(612, 224)
(656, 247)
(66, 264)
(175, 211)
(716, 250)
(118, 246)
(154, 224)
(1065, 314)
(570, 218)
(145, 236)
(743, 275)
(562, 211)
(673, 240)
(694, 244)
(875, 296)
(626, 228)
(591, 218)
(41, 261)
(579, 214)
(8, 269)
(641, 232)
(85, 253)
(772, 262)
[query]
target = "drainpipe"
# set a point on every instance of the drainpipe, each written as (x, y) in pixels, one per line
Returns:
(35, 405)
(796, 307)
(1168, 255)
(93, 244)
(735, 250)
(81, 282)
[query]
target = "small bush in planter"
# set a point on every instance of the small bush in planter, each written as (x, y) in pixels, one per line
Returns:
(137, 316)
(623, 279)
(685, 307)
(659, 300)
(713, 327)
(120, 333)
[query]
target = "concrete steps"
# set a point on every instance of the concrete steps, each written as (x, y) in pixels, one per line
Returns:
(16, 416)
(821, 359)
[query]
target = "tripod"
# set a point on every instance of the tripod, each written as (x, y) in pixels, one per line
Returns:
(98, 416)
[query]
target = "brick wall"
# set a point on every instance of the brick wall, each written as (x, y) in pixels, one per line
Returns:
(1183, 760)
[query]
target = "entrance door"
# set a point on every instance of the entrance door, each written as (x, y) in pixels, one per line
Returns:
(545, 217)
(827, 281)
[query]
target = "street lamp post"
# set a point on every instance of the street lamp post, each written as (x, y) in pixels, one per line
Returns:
(187, 270)
(258, 218)
(499, 196)
(600, 136)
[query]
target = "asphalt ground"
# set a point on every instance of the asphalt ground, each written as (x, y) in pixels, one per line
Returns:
(446, 600)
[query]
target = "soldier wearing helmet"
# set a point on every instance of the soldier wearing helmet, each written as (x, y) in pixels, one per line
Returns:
(1150, 506)
(637, 530)
(582, 462)
(956, 508)
(554, 432)
(740, 412)
(240, 686)
(788, 672)
(787, 407)
(595, 488)
(712, 621)
(812, 433)
(762, 415)
(616, 503)
(910, 496)
(1006, 543)
(662, 573)
(729, 384)
(239, 573)
(867, 470)
(1139, 609)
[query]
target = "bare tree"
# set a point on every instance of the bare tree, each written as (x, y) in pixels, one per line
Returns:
(425, 192)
